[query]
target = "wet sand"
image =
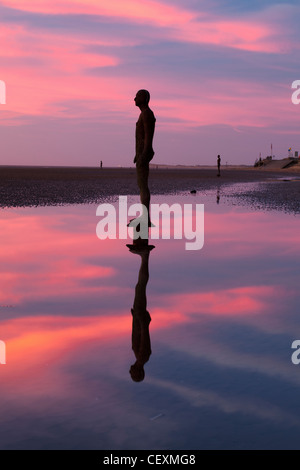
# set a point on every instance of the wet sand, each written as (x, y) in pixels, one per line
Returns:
(40, 186)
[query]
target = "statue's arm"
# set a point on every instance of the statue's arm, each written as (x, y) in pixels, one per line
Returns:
(149, 124)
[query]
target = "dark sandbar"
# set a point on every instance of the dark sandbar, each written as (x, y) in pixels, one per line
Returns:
(40, 186)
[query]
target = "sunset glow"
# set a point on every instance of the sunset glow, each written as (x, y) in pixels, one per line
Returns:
(77, 65)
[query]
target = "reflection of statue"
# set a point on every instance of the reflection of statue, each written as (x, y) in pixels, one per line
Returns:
(218, 196)
(141, 319)
(219, 165)
(144, 153)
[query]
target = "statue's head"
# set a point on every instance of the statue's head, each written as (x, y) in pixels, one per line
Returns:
(142, 97)
(137, 372)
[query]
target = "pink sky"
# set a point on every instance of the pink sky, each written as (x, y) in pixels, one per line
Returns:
(220, 82)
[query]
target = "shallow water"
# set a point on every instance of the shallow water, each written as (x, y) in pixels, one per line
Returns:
(223, 319)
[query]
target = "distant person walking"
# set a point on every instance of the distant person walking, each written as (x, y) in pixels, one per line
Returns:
(144, 153)
(219, 165)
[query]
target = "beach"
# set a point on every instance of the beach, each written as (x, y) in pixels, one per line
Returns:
(25, 186)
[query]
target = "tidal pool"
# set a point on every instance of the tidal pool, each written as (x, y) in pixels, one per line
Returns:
(214, 345)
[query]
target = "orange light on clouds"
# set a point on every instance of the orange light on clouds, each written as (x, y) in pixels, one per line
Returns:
(135, 10)
(38, 346)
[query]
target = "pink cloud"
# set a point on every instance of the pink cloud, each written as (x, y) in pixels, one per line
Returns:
(241, 302)
(57, 72)
(57, 271)
(236, 226)
(178, 23)
(239, 34)
(135, 10)
(52, 68)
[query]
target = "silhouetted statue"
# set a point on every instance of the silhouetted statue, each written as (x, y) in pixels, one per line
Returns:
(141, 319)
(144, 153)
(219, 165)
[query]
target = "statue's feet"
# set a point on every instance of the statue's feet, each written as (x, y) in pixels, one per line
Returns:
(140, 247)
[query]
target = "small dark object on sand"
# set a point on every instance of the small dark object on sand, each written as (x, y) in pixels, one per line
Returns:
(193, 191)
